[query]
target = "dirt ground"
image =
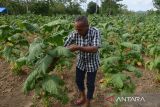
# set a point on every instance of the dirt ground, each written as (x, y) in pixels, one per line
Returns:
(11, 94)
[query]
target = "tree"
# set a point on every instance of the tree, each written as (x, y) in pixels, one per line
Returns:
(57, 8)
(40, 8)
(156, 4)
(92, 8)
(3, 3)
(73, 8)
(110, 7)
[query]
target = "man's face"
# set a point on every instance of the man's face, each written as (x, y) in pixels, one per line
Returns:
(81, 28)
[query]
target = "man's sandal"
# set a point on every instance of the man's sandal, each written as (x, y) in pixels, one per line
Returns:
(79, 102)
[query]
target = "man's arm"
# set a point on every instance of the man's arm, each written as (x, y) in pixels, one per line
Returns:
(90, 49)
(70, 40)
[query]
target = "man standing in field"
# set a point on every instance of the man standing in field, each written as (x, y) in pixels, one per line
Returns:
(86, 40)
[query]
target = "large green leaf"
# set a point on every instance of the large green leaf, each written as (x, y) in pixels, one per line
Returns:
(5, 32)
(49, 26)
(35, 49)
(154, 50)
(132, 46)
(45, 63)
(54, 86)
(57, 38)
(134, 54)
(137, 72)
(7, 53)
(21, 61)
(18, 39)
(153, 64)
(60, 51)
(117, 81)
(41, 69)
(50, 85)
(30, 27)
(111, 60)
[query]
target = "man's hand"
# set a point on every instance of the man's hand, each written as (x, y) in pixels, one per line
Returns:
(73, 47)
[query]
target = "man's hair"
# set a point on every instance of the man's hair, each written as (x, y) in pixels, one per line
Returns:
(82, 19)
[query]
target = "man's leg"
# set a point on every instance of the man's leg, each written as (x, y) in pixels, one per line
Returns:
(91, 76)
(80, 75)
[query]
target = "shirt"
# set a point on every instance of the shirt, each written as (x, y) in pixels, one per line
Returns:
(86, 61)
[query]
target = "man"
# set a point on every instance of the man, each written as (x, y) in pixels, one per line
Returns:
(86, 40)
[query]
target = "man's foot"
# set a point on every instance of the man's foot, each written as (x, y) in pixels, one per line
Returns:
(88, 103)
(80, 101)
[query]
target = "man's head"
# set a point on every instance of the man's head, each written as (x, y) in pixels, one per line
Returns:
(81, 25)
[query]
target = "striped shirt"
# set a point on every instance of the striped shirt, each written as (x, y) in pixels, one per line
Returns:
(86, 61)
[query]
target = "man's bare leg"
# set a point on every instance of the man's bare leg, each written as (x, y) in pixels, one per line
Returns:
(88, 103)
(82, 98)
